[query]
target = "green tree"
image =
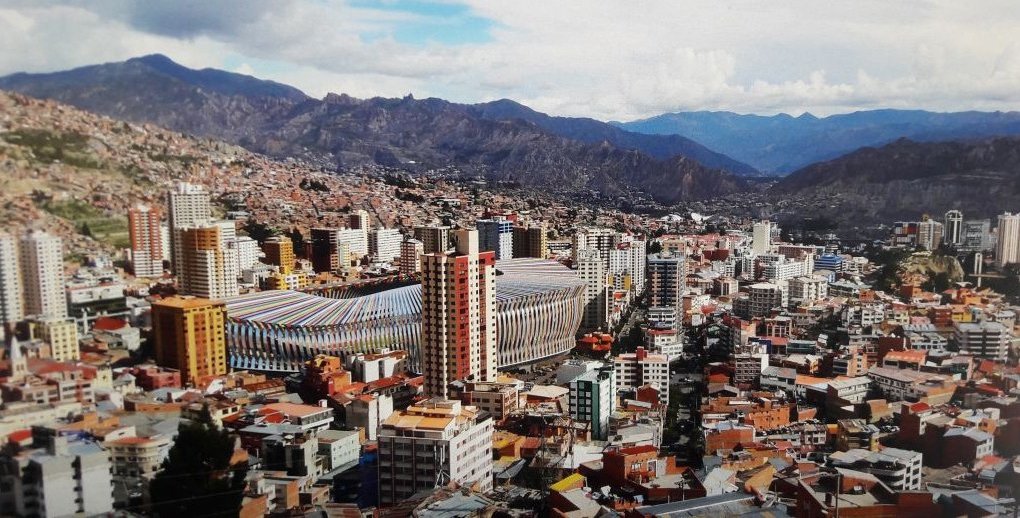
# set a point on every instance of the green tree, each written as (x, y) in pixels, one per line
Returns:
(197, 478)
(259, 231)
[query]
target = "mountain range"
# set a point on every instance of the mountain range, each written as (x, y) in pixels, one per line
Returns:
(780, 144)
(501, 140)
(906, 178)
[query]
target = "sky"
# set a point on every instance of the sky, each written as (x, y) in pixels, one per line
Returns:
(619, 60)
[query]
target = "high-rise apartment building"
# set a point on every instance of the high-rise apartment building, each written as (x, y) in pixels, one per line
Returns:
(384, 243)
(146, 241)
(667, 275)
(189, 335)
(207, 269)
(1007, 248)
(601, 240)
(592, 270)
(761, 237)
(42, 273)
(432, 444)
(496, 235)
(929, 234)
(435, 239)
(326, 251)
(187, 206)
(411, 251)
(358, 220)
(531, 241)
(356, 240)
(592, 399)
(953, 227)
(246, 250)
(279, 251)
(12, 308)
(627, 260)
(458, 315)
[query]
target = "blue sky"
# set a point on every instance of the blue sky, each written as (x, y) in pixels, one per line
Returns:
(446, 23)
(599, 58)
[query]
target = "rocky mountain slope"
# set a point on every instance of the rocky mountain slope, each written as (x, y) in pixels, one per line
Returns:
(906, 178)
(781, 143)
(340, 131)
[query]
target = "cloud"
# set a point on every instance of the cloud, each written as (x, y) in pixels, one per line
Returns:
(609, 60)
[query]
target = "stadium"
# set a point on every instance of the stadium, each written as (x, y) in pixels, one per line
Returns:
(538, 310)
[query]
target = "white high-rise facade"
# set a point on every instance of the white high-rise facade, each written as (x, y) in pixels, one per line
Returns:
(458, 315)
(42, 273)
(496, 235)
(247, 252)
(384, 243)
(761, 238)
(356, 239)
(1007, 248)
(12, 308)
(209, 269)
(187, 206)
(592, 270)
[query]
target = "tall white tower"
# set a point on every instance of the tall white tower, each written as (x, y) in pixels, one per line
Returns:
(952, 230)
(761, 238)
(42, 265)
(12, 308)
(187, 206)
(1007, 249)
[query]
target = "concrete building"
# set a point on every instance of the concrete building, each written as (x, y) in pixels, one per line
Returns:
(62, 335)
(988, 340)
(207, 267)
(952, 227)
(411, 251)
(666, 280)
(496, 235)
(593, 398)
(898, 469)
(279, 251)
(146, 241)
(808, 288)
(458, 315)
(601, 240)
(976, 236)
(929, 234)
(12, 306)
(1007, 246)
(187, 206)
(325, 250)
(435, 239)
(531, 241)
(357, 241)
(639, 368)
(761, 237)
(60, 479)
(359, 220)
(592, 270)
(188, 335)
(42, 273)
(432, 444)
(247, 252)
(384, 243)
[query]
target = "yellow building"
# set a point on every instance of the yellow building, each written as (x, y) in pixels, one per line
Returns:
(290, 281)
(62, 335)
(279, 251)
(189, 335)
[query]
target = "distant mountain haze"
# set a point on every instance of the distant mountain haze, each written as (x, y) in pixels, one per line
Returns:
(904, 179)
(502, 140)
(780, 144)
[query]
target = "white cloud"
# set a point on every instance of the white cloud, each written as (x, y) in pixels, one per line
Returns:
(610, 60)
